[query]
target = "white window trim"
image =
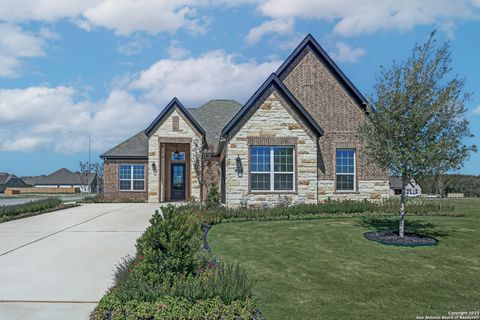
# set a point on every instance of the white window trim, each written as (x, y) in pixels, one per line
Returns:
(131, 177)
(347, 174)
(272, 171)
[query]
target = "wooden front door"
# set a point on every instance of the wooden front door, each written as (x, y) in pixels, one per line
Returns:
(178, 181)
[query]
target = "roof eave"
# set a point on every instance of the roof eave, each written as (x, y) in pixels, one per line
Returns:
(172, 104)
(107, 157)
(272, 80)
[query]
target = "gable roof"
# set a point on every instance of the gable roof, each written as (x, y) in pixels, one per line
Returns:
(135, 147)
(170, 106)
(274, 81)
(5, 177)
(310, 42)
(31, 180)
(213, 116)
(63, 177)
(396, 183)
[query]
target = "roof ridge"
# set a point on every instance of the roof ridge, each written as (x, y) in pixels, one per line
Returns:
(310, 41)
(174, 102)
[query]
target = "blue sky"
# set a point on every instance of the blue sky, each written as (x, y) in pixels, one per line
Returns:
(106, 67)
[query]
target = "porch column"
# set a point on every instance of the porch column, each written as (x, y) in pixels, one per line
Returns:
(161, 178)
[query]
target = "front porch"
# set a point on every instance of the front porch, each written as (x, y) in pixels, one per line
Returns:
(172, 176)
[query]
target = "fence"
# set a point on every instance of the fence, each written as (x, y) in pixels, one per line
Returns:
(12, 191)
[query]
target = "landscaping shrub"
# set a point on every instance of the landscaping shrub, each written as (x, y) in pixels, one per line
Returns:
(29, 208)
(171, 244)
(419, 206)
(171, 308)
(329, 208)
(32, 206)
(229, 282)
(99, 198)
(213, 197)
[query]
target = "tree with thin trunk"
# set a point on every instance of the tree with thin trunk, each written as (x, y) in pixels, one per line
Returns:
(417, 118)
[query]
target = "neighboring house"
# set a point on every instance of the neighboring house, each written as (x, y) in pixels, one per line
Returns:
(10, 181)
(413, 189)
(64, 178)
(295, 138)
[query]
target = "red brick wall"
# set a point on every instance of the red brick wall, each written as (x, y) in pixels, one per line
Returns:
(110, 181)
(317, 89)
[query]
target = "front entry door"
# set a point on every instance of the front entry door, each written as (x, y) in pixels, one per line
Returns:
(178, 181)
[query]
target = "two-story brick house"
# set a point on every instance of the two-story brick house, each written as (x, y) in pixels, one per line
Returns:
(296, 137)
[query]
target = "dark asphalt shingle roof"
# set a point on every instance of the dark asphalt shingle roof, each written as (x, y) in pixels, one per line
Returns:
(395, 182)
(213, 116)
(134, 147)
(60, 177)
(31, 180)
(4, 177)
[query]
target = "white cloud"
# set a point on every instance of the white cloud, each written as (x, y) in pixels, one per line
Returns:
(477, 110)
(176, 50)
(52, 118)
(272, 26)
(124, 17)
(346, 53)
(60, 118)
(355, 17)
(16, 44)
(43, 10)
(152, 16)
(351, 17)
(26, 143)
(131, 47)
(214, 74)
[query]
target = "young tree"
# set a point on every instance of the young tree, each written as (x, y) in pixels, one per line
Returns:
(84, 172)
(417, 118)
(97, 168)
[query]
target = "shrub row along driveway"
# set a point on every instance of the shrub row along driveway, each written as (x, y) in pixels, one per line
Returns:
(58, 265)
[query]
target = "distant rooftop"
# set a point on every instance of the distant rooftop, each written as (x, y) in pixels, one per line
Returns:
(60, 177)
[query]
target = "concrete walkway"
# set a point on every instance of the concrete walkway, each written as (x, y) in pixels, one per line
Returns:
(58, 265)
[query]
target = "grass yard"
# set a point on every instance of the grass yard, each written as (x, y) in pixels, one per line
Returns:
(325, 269)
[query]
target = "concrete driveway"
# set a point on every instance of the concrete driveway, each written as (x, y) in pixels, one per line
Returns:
(58, 265)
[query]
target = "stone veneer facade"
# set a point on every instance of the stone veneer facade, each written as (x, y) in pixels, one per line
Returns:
(160, 137)
(270, 124)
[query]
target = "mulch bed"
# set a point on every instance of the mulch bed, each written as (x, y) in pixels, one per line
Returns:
(392, 238)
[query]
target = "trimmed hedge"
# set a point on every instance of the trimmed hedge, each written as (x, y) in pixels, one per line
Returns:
(17, 211)
(171, 308)
(101, 199)
(329, 208)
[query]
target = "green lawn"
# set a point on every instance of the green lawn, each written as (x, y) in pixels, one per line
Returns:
(325, 269)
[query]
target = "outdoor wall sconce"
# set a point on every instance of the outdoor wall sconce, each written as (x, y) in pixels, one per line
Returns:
(154, 167)
(239, 169)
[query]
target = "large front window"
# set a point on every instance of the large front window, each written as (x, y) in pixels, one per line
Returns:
(271, 168)
(132, 177)
(345, 169)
